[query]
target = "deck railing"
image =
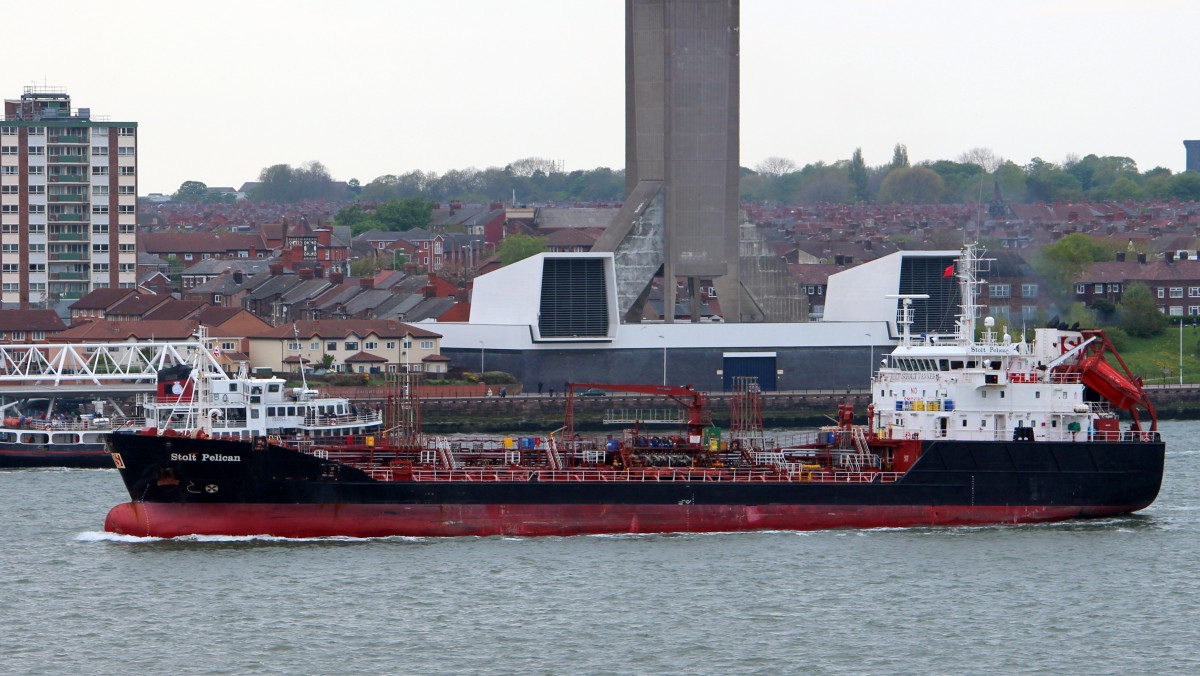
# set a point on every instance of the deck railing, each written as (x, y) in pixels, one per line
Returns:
(646, 475)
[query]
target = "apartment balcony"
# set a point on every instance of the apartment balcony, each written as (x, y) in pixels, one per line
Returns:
(67, 178)
(66, 198)
(67, 159)
(67, 237)
(54, 256)
(68, 138)
(56, 218)
(67, 276)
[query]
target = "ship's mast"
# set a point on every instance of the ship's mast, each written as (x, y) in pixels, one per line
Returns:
(202, 390)
(904, 316)
(300, 357)
(970, 263)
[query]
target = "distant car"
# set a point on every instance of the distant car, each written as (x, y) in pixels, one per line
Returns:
(592, 392)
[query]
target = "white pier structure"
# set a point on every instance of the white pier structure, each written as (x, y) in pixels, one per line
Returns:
(94, 369)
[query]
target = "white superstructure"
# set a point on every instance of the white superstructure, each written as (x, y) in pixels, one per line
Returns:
(993, 386)
(204, 399)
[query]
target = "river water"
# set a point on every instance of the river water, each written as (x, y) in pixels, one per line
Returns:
(1115, 596)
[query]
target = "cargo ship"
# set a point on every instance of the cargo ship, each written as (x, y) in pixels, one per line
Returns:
(963, 429)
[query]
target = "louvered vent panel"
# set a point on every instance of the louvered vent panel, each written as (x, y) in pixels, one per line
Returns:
(574, 298)
(927, 274)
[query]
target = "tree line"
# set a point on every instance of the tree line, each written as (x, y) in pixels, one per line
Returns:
(973, 176)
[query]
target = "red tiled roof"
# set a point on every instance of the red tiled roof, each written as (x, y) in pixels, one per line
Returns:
(138, 304)
(101, 299)
(364, 357)
(30, 320)
(101, 331)
(570, 237)
(197, 242)
(215, 315)
(340, 328)
(175, 309)
(1133, 271)
(459, 312)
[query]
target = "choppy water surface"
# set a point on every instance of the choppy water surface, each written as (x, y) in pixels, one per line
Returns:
(1116, 596)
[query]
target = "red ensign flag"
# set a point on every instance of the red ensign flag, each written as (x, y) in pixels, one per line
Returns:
(949, 271)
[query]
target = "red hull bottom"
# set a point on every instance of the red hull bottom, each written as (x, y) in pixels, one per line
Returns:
(168, 520)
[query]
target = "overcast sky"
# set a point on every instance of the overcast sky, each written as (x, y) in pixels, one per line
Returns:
(222, 89)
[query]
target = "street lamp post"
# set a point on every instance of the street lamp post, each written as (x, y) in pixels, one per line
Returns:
(1181, 351)
(481, 369)
(664, 340)
(871, 359)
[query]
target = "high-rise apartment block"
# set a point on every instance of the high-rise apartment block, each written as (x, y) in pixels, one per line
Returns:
(68, 200)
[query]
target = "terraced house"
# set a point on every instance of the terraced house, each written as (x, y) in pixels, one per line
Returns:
(349, 346)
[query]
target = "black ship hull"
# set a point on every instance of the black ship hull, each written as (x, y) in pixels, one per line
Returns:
(184, 486)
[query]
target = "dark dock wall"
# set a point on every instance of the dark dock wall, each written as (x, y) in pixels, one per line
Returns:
(807, 368)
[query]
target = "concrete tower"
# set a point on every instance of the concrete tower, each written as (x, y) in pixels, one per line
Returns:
(1193, 155)
(681, 154)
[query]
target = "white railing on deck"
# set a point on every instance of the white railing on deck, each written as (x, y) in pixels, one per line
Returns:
(347, 420)
(79, 425)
